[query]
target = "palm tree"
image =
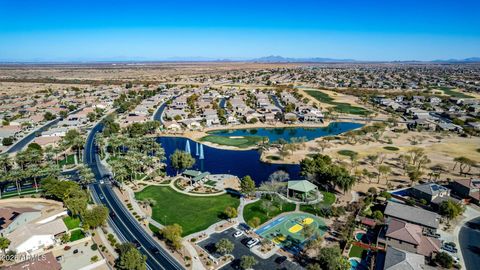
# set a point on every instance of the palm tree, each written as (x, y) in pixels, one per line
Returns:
(49, 153)
(86, 176)
(34, 172)
(3, 179)
(77, 144)
(100, 141)
(18, 176)
(5, 162)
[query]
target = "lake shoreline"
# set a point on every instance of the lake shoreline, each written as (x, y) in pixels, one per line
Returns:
(198, 135)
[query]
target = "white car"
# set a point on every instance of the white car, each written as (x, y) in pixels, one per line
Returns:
(237, 234)
(252, 242)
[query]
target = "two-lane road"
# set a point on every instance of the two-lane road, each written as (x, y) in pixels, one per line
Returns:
(123, 222)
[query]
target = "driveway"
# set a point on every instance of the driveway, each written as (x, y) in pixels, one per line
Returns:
(240, 250)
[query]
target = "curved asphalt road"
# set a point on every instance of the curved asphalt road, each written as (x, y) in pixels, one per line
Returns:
(469, 239)
(124, 224)
(19, 145)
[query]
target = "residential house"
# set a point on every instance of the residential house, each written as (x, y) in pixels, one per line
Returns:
(442, 126)
(468, 189)
(397, 259)
(431, 192)
(407, 236)
(12, 218)
(43, 262)
(412, 214)
(34, 236)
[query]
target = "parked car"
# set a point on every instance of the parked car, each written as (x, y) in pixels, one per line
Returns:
(456, 260)
(136, 243)
(237, 234)
(450, 248)
(281, 259)
(252, 242)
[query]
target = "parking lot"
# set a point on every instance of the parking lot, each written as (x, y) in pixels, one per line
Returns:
(240, 250)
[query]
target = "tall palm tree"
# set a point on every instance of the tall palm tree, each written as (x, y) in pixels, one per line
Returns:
(77, 144)
(5, 162)
(49, 153)
(17, 176)
(100, 141)
(34, 172)
(3, 179)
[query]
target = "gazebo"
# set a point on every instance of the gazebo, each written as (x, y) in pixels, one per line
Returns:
(195, 176)
(303, 187)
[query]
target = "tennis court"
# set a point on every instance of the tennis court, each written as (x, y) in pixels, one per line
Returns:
(287, 231)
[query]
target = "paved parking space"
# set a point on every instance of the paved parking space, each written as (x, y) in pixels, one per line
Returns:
(240, 250)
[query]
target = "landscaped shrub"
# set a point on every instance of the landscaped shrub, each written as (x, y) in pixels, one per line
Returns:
(391, 148)
(94, 246)
(348, 153)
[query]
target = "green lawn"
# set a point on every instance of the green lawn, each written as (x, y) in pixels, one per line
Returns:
(339, 106)
(72, 222)
(192, 213)
(70, 160)
(76, 235)
(356, 251)
(153, 228)
(453, 93)
(243, 142)
(328, 198)
(255, 210)
(348, 153)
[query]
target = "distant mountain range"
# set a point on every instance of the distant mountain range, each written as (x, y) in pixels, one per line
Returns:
(466, 60)
(281, 59)
(265, 59)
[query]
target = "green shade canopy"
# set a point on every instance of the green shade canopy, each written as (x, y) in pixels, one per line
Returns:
(301, 186)
(200, 176)
(192, 173)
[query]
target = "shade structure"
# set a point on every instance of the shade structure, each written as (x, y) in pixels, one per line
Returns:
(302, 186)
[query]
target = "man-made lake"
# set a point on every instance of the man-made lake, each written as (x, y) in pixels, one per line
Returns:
(286, 133)
(241, 163)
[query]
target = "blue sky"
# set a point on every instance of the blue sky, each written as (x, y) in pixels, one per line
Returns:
(155, 30)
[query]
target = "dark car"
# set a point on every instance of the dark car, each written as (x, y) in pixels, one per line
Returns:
(112, 214)
(280, 259)
(136, 243)
(155, 250)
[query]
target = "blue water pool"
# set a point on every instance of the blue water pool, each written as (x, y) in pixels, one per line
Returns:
(354, 264)
(359, 236)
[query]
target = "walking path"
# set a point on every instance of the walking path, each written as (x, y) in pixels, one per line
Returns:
(172, 185)
(196, 263)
